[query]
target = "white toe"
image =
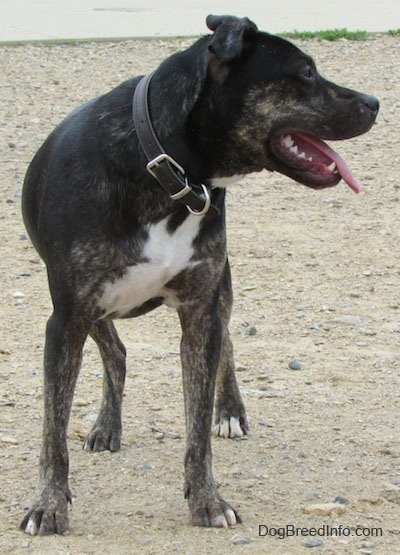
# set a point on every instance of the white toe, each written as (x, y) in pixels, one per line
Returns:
(235, 429)
(230, 517)
(219, 522)
(31, 528)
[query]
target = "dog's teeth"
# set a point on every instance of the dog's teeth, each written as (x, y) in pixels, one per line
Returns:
(294, 149)
(332, 167)
(302, 156)
(310, 159)
(288, 141)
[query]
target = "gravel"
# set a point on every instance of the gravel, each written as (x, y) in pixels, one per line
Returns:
(310, 257)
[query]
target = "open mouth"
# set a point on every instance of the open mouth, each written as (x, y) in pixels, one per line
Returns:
(310, 161)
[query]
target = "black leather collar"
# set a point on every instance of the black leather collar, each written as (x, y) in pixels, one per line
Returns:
(161, 166)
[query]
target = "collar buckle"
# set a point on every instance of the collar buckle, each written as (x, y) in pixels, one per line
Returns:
(207, 203)
(160, 165)
(159, 160)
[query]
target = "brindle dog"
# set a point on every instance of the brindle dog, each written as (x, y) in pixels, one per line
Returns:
(116, 244)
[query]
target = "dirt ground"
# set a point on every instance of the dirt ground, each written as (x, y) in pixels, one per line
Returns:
(316, 278)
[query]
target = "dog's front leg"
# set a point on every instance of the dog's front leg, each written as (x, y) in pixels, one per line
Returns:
(230, 414)
(200, 352)
(62, 359)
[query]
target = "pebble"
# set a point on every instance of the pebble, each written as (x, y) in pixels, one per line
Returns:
(325, 509)
(241, 541)
(310, 495)
(249, 287)
(8, 439)
(348, 320)
(294, 365)
(144, 468)
(341, 500)
(263, 377)
(246, 329)
(7, 403)
(368, 545)
(18, 295)
(313, 543)
(250, 330)
(369, 332)
(265, 423)
(81, 403)
(235, 471)
(91, 416)
(392, 493)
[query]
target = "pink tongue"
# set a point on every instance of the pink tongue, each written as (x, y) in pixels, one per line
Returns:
(341, 165)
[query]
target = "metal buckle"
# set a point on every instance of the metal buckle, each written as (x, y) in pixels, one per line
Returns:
(163, 158)
(207, 203)
(183, 192)
(186, 189)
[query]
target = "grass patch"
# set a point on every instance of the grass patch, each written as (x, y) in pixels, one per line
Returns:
(328, 34)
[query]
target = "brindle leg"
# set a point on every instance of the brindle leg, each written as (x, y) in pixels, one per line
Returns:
(230, 414)
(106, 432)
(200, 351)
(62, 359)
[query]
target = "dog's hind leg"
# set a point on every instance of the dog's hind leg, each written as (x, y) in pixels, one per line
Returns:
(65, 338)
(106, 432)
(230, 414)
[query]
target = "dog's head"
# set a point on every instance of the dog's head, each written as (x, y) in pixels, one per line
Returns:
(263, 105)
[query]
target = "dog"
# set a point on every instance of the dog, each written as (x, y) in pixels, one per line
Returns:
(124, 202)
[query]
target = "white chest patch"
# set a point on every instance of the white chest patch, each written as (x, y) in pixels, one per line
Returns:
(166, 255)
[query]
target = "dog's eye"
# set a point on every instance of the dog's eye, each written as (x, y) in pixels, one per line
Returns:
(308, 74)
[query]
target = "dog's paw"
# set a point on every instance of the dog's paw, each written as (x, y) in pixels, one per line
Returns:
(105, 434)
(100, 439)
(230, 428)
(45, 518)
(217, 514)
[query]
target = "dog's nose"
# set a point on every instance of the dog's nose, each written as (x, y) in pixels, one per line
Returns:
(372, 103)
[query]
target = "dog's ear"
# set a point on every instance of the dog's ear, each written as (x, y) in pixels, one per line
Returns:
(230, 36)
